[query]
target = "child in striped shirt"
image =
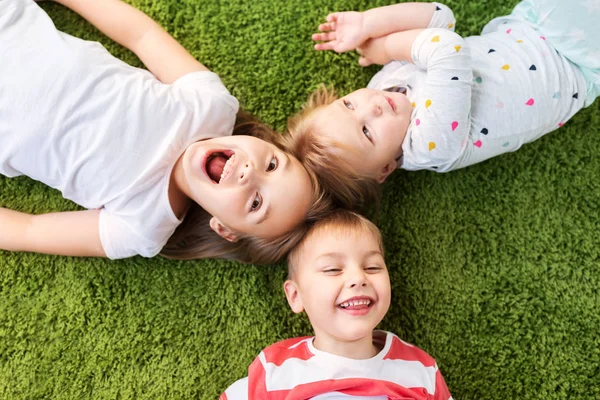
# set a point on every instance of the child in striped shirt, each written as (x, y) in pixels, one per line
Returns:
(338, 276)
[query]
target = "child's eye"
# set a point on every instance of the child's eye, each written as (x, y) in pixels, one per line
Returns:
(348, 105)
(367, 133)
(332, 271)
(256, 203)
(273, 164)
(373, 268)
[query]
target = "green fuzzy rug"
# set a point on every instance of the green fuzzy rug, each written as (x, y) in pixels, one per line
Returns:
(495, 268)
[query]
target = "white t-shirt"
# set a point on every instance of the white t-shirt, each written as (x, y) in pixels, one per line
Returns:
(104, 133)
(481, 96)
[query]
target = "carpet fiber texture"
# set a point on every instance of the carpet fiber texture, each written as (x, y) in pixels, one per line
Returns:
(495, 268)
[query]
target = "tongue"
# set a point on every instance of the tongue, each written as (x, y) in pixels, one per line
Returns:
(214, 167)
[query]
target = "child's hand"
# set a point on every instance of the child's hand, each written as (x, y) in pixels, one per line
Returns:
(373, 52)
(342, 32)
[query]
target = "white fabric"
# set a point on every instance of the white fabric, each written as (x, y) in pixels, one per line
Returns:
(482, 96)
(102, 132)
(238, 390)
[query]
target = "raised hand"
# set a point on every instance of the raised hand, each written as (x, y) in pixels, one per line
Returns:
(343, 31)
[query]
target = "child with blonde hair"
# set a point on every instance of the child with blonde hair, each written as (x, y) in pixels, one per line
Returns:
(442, 102)
(338, 277)
(148, 153)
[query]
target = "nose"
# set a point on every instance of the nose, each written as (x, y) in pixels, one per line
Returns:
(357, 279)
(247, 171)
(376, 108)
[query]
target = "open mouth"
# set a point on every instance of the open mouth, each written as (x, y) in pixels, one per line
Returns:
(219, 164)
(356, 303)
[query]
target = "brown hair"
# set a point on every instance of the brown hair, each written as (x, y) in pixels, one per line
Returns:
(194, 238)
(344, 185)
(341, 222)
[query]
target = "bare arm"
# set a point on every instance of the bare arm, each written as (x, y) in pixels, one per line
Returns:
(383, 21)
(345, 31)
(66, 233)
(133, 29)
(396, 46)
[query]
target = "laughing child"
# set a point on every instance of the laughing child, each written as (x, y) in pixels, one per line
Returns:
(148, 153)
(338, 276)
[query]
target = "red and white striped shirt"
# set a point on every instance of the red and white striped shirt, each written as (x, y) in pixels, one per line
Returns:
(294, 369)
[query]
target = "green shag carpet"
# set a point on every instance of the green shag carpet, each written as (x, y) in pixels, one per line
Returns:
(495, 268)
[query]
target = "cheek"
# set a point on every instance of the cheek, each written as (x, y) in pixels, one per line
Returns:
(223, 204)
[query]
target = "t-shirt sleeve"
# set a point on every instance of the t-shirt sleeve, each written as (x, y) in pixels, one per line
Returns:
(441, 389)
(440, 122)
(443, 17)
(119, 240)
(257, 389)
(237, 391)
(214, 108)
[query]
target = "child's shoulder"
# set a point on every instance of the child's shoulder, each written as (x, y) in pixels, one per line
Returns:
(401, 350)
(279, 352)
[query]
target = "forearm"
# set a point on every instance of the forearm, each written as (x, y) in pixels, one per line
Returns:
(119, 21)
(74, 233)
(398, 46)
(386, 20)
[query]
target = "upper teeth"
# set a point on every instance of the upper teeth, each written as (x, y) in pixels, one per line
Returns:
(227, 166)
(353, 303)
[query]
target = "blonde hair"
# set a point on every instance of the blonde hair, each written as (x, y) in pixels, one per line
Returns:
(345, 186)
(194, 238)
(340, 222)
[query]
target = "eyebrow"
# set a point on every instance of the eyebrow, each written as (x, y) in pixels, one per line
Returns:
(287, 163)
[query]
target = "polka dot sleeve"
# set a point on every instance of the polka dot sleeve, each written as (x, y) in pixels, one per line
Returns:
(443, 17)
(440, 121)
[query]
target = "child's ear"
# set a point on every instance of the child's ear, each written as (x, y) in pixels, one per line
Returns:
(222, 230)
(293, 296)
(386, 171)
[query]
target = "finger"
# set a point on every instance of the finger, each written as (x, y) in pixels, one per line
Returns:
(359, 51)
(364, 62)
(324, 37)
(324, 46)
(332, 17)
(328, 26)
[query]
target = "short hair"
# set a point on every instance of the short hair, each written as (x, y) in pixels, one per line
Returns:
(339, 221)
(346, 187)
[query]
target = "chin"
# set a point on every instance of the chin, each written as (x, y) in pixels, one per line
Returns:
(355, 334)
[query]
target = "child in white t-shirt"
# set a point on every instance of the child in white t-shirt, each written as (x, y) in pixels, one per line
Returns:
(338, 276)
(442, 102)
(147, 152)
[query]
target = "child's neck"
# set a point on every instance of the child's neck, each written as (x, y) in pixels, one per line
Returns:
(359, 349)
(178, 199)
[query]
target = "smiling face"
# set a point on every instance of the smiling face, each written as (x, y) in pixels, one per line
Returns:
(341, 281)
(371, 125)
(249, 186)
